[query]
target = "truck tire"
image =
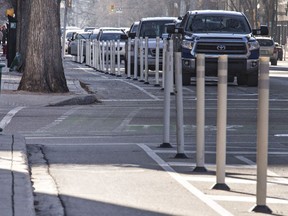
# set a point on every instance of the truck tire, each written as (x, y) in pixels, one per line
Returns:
(186, 79)
(252, 80)
(242, 79)
(274, 62)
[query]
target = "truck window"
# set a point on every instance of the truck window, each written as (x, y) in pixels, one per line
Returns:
(153, 29)
(217, 24)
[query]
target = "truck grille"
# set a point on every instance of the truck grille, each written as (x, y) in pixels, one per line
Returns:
(221, 48)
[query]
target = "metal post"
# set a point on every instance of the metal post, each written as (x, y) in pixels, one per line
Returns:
(221, 124)
(129, 59)
(200, 114)
(78, 51)
(262, 137)
(157, 62)
(112, 57)
(179, 106)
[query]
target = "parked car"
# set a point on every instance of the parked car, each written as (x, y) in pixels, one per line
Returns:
(72, 46)
(150, 27)
(268, 49)
(113, 35)
(279, 50)
(68, 37)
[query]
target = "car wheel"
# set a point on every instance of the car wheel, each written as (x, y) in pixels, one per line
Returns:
(186, 79)
(242, 79)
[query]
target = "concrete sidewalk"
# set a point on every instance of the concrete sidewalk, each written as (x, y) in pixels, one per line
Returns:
(16, 193)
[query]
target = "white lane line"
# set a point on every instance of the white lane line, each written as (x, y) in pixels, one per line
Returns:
(246, 199)
(58, 120)
(141, 89)
(276, 178)
(8, 117)
(127, 120)
(234, 166)
(216, 207)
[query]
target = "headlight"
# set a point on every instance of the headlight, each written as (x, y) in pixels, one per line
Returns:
(253, 45)
(187, 44)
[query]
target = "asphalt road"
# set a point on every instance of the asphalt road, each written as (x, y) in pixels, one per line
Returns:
(104, 158)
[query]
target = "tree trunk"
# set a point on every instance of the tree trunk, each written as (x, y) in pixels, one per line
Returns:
(42, 69)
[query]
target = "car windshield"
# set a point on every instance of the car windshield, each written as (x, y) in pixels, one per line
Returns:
(83, 36)
(153, 29)
(265, 42)
(110, 36)
(218, 23)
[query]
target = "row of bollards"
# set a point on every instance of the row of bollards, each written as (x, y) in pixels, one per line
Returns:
(262, 121)
(103, 59)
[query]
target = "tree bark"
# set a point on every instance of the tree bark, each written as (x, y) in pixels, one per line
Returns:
(42, 67)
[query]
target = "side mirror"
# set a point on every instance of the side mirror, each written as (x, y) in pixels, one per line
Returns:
(123, 37)
(173, 28)
(262, 31)
(132, 35)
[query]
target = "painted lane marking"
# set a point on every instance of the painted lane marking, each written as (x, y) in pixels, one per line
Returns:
(58, 120)
(216, 207)
(8, 117)
(246, 199)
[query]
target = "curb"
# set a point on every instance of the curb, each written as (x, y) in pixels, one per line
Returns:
(22, 191)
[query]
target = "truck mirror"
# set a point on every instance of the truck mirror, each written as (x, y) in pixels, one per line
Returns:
(132, 35)
(262, 31)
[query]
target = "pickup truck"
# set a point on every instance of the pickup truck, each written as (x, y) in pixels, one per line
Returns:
(214, 33)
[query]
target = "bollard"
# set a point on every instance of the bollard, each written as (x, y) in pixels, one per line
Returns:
(167, 100)
(141, 59)
(78, 51)
(164, 61)
(262, 137)
(1, 66)
(106, 43)
(102, 47)
(179, 106)
(146, 61)
(112, 57)
(221, 124)
(118, 59)
(135, 58)
(129, 59)
(200, 114)
(157, 62)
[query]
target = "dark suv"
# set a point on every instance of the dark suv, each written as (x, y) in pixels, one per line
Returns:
(215, 33)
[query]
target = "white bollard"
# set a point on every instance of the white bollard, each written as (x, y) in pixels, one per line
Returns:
(118, 59)
(179, 106)
(221, 124)
(129, 59)
(107, 56)
(146, 61)
(112, 54)
(141, 59)
(164, 62)
(78, 51)
(135, 58)
(157, 57)
(262, 137)
(200, 114)
(102, 47)
(128, 65)
(167, 100)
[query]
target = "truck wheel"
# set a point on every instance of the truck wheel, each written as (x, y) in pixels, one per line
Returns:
(274, 62)
(186, 79)
(252, 80)
(242, 79)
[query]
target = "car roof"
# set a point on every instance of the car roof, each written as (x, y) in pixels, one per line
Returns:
(215, 12)
(157, 18)
(113, 31)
